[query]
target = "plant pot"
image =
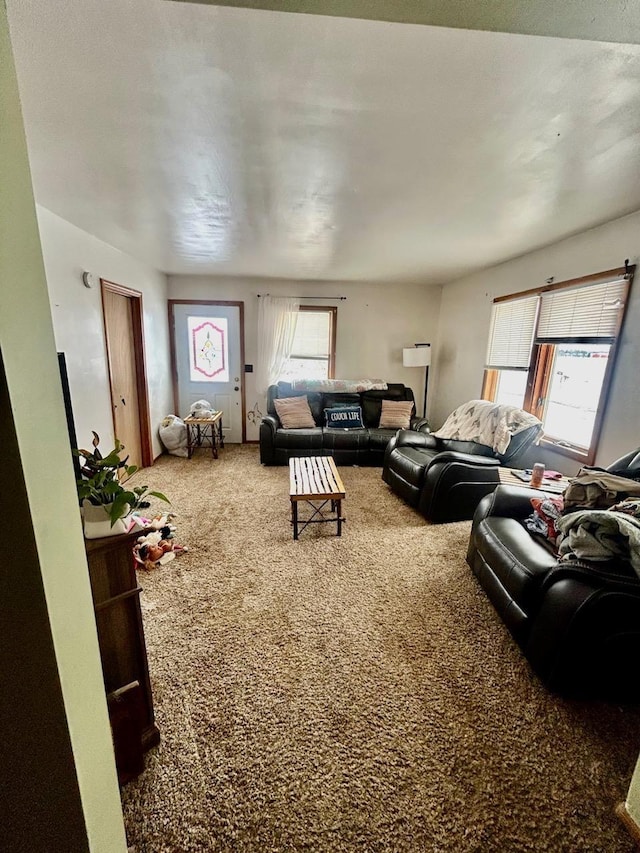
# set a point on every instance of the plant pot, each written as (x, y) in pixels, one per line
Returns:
(97, 521)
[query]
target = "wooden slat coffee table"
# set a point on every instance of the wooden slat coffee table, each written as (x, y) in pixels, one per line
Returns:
(315, 479)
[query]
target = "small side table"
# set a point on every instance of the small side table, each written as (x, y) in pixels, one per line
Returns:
(555, 487)
(204, 432)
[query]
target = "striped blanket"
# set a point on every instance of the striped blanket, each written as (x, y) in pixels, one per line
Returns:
(350, 386)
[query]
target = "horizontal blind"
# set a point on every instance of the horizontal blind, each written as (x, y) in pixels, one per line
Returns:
(512, 327)
(592, 311)
(312, 335)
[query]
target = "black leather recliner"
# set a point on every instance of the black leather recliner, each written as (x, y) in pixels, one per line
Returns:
(445, 478)
(577, 622)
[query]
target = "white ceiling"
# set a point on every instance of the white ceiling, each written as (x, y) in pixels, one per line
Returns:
(207, 139)
(598, 20)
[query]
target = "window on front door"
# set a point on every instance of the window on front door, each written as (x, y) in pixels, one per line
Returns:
(208, 349)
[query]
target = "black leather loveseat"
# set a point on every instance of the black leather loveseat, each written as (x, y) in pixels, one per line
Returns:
(348, 447)
(577, 622)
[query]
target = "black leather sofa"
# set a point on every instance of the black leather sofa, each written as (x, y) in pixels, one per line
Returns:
(577, 622)
(348, 447)
(445, 478)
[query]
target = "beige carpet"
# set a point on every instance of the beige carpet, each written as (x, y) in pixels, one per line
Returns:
(353, 694)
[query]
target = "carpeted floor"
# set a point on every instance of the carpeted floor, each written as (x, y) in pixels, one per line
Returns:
(353, 694)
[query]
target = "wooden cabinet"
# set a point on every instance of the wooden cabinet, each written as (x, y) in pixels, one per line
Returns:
(116, 600)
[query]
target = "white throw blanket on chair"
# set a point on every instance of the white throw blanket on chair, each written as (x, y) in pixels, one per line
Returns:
(487, 423)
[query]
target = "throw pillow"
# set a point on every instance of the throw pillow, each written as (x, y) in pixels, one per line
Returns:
(396, 414)
(371, 402)
(294, 412)
(344, 417)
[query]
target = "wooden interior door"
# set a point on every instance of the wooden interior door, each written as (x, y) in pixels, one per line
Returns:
(123, 332)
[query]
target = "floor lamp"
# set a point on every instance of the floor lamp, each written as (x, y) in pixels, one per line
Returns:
(419, 355)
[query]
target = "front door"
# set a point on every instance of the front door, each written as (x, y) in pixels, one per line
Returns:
(207, 353)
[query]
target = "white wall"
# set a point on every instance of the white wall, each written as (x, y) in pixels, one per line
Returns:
(28, 351)
(374, 324)
(79, 330)
(466, 311)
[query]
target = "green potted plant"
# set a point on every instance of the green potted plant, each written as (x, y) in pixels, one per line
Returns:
(105, 500)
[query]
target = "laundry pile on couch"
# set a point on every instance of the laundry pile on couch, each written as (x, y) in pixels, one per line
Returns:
(597, 518)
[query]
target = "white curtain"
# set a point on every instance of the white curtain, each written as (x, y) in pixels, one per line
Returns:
(277, 319)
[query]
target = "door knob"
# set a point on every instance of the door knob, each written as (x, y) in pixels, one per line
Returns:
(236, 388)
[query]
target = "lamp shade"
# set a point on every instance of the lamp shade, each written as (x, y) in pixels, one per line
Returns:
(418, 356)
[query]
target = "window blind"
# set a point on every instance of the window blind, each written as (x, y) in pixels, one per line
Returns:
(312, 339)
(512, 327)
(584, 312)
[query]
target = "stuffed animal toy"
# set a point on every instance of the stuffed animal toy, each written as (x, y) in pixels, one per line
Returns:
(156, 548)
(202, 409)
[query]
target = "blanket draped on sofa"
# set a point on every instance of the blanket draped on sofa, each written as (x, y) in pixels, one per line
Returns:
(344, 386)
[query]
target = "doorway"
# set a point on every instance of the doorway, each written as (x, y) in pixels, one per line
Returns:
(124, 335)
(207, 360)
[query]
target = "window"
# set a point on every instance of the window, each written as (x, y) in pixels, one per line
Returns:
(552, 352)
(509, 352)
(208, 349)
(570, 404)
(313, 351)
(511, 386)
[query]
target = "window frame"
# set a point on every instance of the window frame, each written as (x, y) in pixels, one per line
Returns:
(542, 356)
(332, 311)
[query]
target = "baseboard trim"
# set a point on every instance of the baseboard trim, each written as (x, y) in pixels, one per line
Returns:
(628, 822)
